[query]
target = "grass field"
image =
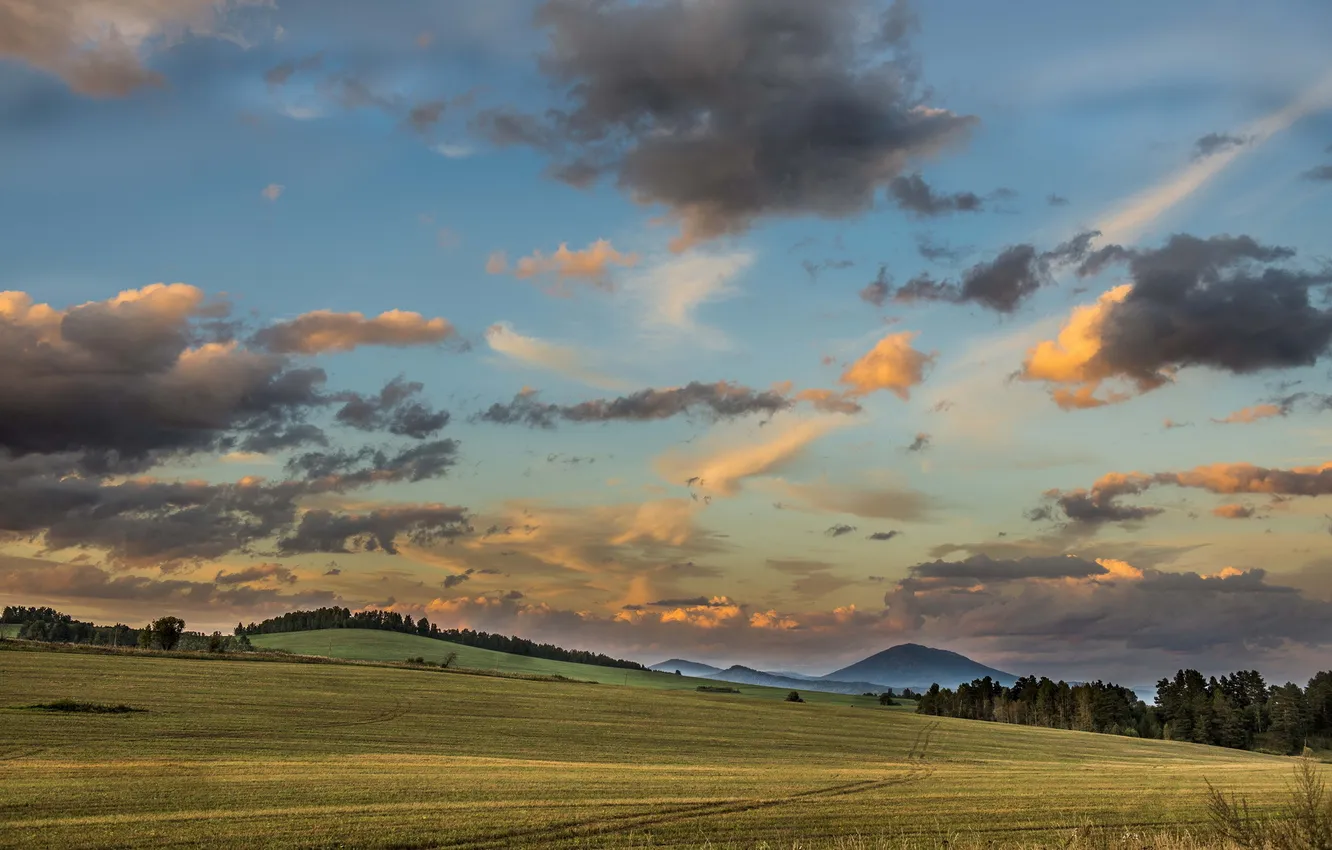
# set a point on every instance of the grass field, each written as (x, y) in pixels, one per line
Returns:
(9, 630)
(369, 645)
(320, 755)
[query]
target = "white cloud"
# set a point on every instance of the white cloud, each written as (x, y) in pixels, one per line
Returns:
(273, 191)
(564, 360)
(672, 292)
(1135, 215)
(453, 151)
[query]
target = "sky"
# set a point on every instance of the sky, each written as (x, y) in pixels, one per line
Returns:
(743, 331)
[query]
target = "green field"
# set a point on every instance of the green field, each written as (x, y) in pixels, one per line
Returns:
(9, 630)
(370, 645)
(230, 753)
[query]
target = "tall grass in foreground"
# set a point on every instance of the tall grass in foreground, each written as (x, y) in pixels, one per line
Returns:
(1304, 823)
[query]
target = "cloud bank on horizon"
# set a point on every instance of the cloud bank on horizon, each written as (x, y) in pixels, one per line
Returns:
(739, 330)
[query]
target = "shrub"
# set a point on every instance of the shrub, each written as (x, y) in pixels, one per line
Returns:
(1306, 823)
(69, 705)
(794, 696)
(449, 660)
(887, 699)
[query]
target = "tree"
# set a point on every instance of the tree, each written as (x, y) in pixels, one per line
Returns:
(449, 660)
(146, 637)
(794, 696)
(167, 631)
(886, 698)
(216, 642)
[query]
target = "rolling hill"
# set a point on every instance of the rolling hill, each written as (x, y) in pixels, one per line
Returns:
(914, 666)
(374, 645)
(688, 668)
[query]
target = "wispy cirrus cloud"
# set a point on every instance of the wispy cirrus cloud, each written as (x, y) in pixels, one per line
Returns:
(567, 360)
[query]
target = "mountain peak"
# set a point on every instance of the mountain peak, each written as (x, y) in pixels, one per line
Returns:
(912, 665)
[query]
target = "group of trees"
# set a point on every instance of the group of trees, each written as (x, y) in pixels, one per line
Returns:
(48, 624)
(51, 626)
(1088, 707)
(392, 621)
(1240, 710)
(1244, 712)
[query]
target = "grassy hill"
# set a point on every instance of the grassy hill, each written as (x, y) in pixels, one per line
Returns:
(235, 754)
(372, 645)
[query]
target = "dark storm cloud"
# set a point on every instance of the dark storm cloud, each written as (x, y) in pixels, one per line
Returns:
(1170, 612)
(344, 469)
(395, 410)
(115, 388)
(728, 112)
(374, 531)
(1099, 503)
(113, 379)
(884, 536)
(982, 568)
(1227, 302)
(31, 578)
(457, 579)
(1215, 142)
(721, 400)
(878, 290)
(839, 530)
(1003, 283)
(913, 195)
(691, 602)
(259, 572)
(1319, 173)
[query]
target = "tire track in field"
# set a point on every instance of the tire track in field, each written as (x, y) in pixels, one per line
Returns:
(398, 710)
(608, 825)
(922, 742)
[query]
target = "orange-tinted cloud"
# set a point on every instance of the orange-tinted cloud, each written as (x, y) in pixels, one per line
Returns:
(592, 264)
(722, 470)
(323, 331)
(891, 365)
(1233, 511)
(1069, 363)
(1255, 413)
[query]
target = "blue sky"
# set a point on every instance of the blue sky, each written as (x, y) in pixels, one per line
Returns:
(311, 190)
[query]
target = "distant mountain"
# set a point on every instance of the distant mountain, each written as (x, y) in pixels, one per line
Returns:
(749, 676)
(914, 666)
(741, 675)
(687, 668)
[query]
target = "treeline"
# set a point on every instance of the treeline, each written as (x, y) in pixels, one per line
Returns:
(1244, 712)
(1088, 707)
(51, 626)
(392, 621)
(1240, 711)
(48, 624)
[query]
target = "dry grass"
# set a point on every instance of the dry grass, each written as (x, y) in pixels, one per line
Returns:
(323, 755)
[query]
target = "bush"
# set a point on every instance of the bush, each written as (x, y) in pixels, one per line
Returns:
(449, 660)
(1306, 824)
(887, 699)
(713, 689)
(794, 696)
(69, 705)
